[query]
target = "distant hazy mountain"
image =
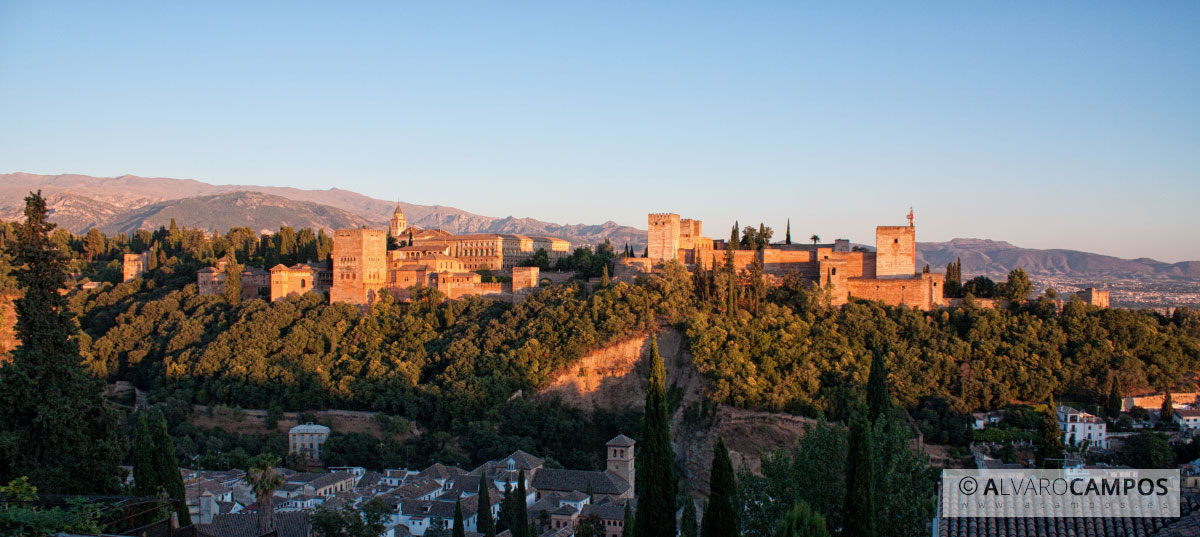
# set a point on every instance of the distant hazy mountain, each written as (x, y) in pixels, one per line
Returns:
(258, 211)
(80, 202)
(127, 203)
(981, 256)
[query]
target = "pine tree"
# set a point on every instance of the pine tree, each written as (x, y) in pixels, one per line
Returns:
(687, 526)
(54, 427)
(802, 521)
(656, 483)
(721, 519)
(1113, 406)
(520, 524)
(507, 506)
(858, 512)
(485, 524)
(167, 470)
(879, 401)
(459, 529)
(787, 236)
(1050, 443)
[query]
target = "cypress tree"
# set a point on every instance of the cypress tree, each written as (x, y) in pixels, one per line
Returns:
(520, 523)
(628, 525)
(485, 525)
(505, 520)
(1050, 445)
(1113, 406)
(655, 488)
(1167, 410)
(459, 530)
(167, 470)
(233, 282)
(720, 519)
(858, 511)
(145, 474)
(802, 521)
(687, 526)
(54, 427)
(733, 236)
(605, 281)
(787, 236)
(879, 402)
(646, 252)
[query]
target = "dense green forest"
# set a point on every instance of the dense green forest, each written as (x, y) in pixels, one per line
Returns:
(452, 367)
(800, 357)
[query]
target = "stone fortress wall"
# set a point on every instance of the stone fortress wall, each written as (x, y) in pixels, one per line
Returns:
(361, 267)
(889, 274)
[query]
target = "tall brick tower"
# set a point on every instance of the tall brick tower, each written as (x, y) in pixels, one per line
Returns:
(662, 232)
(896, 250)
(359, 265)
(398, 224)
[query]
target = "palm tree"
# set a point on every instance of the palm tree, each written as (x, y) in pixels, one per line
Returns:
(263, 480)
(814, 238)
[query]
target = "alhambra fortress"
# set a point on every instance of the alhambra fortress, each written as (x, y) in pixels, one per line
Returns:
(889, 274)
(361, 267)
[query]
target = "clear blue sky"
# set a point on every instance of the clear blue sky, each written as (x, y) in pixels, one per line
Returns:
(1047, 124)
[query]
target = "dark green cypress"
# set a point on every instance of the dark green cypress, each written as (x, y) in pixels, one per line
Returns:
(628, 525)
(604, 279)
(485, 524)
(145, 474)
(54, 427)
(167, 470)
(459, 529)
(520, 523)
(720, 518)
(1113, 406)
(687, 526)
(733, 236)
(505, 520)
(656, 484)
(1049, 450)
(879, 401)
(858, 511)
(787, 237)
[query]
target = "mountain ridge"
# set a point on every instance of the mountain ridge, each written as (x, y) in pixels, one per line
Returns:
(129, 202)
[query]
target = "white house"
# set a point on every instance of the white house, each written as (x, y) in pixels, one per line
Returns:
(1188, 419)
(1079, 427)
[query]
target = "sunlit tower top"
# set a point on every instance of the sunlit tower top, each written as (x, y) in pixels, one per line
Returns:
(398, 223)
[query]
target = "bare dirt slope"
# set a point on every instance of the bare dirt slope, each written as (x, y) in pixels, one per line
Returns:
(613, 378)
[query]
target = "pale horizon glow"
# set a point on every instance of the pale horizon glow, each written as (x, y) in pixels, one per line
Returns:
(1071, 125)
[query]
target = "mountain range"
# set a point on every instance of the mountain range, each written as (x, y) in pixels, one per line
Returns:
(128, 203)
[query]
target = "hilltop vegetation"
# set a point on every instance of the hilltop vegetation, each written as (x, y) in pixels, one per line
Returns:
(454, 367)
